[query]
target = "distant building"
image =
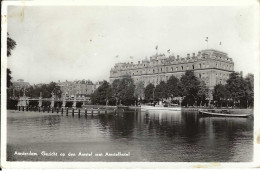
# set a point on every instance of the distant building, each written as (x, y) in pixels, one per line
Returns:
(211, 66)
(78, 88)
(20, 84)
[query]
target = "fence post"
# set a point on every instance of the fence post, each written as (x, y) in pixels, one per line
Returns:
(72, 111)
(62, 110)
(92, 111)
(67, 111)
(52, 110)
(79, 112)
(23, 108)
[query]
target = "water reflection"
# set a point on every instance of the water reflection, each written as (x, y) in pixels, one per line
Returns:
(149, 136)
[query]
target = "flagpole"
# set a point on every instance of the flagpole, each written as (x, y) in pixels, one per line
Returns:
(207, 40)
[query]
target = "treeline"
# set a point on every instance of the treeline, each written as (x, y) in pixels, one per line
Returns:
(120, 92)
(237, 92)
(189, 90)
(34, 91)
(124, 91)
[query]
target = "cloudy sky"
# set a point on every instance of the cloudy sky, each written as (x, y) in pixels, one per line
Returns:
(69, 43)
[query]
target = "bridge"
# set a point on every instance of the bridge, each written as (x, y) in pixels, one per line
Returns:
(24, 101)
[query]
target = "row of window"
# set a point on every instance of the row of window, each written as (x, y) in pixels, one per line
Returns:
(181, 68)
(223, 66)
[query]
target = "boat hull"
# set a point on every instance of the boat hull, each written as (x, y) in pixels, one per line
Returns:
(213, 114)
(145, 108)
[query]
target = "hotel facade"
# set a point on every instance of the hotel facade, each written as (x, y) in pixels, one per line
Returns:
(211, 66)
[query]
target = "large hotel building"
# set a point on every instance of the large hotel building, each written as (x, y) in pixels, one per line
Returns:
(211, 66)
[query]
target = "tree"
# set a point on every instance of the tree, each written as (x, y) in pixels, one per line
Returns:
(189, 87)
(102, 95)
(160, 91)
(236, 86)
(139, 90)
(45, 89)
(173, 87)
(123, 91)
(220, 93)
(149, 92)
(203, 92)
(10, 46)
(249, 94)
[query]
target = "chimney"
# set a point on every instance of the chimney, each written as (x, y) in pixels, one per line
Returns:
(132, 63)
(188, 55)
(138, 62)
(199, 53)
(178, 56)
(193, 54)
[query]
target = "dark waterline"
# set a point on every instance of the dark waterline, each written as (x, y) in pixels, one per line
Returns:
(142, 136)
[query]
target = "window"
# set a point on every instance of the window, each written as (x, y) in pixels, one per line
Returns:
(176, 68)
(172, 68)
(192, 66)
(181, 67)
(153, 70)
(199, 75)
(200, 65)
(161, 69)
(166, 69)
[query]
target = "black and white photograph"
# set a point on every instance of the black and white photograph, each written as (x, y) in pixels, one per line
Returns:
(151, 84)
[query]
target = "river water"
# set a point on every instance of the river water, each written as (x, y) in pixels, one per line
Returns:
(128, 136)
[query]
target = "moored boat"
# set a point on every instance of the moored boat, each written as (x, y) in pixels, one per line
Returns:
(160, 107)
(212, 113)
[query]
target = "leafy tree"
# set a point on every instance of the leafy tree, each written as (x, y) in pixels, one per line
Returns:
(173, 89)
(203, 92)
(149, 91)
(10, 46)
(189, 86)
(102, 95)
(236, 86)
(123, 91)
(249, 94)
(139, 89)
(220, 93)
(45, 89)
(160, 91)
(9, 78)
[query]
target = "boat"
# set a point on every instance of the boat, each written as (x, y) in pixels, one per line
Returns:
(122, 107)
(160, 107)
(223, 113)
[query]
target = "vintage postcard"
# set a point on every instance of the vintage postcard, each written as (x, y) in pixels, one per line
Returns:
(130, 84)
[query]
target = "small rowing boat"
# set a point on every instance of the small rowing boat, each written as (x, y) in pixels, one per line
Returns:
(212, 113)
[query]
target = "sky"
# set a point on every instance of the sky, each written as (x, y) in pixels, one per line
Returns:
(74, 43)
